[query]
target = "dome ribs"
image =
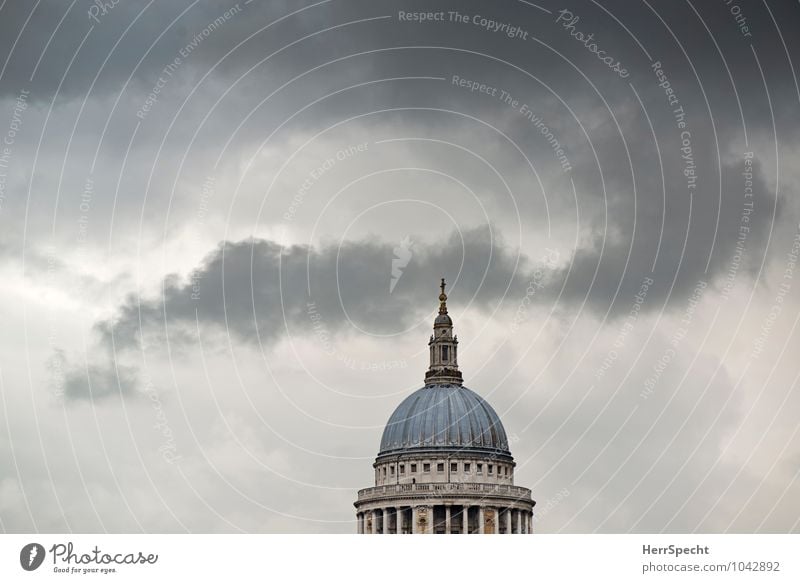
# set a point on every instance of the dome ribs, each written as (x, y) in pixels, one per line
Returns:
(444, 416)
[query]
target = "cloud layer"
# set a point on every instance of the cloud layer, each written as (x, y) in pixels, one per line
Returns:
(222, 228)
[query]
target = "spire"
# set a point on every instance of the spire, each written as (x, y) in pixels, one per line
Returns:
(443, 345)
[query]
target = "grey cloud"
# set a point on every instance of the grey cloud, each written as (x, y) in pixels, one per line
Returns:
(442, 61)
(259, 290)
(722, 241)
(101, 378)
(143, 40)
(97, 382)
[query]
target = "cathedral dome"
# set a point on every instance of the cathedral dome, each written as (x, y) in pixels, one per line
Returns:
(444, 416)
(444, 464)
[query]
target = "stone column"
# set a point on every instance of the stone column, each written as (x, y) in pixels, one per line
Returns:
(373, 521)
(360, 523)
(414, 518)
(508, 520)
(447, 519)
(400, 519)
(387, 520)
(465, 520)
(519, 521)
(481, 528)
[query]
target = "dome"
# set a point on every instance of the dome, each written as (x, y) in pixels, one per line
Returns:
(444, 416)
(443, 320)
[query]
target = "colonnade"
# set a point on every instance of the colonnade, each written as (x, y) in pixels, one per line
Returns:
(445, 519)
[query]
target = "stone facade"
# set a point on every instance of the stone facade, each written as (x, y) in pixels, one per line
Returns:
(458, 467)
(444, 508)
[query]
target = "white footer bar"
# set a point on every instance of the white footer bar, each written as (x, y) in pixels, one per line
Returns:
(354, 558)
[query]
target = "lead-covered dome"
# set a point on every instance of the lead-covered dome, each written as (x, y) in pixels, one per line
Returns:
(446, 416)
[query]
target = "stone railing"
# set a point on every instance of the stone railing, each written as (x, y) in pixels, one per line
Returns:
(444, 489)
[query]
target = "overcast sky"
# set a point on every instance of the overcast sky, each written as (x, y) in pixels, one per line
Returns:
(222, 228)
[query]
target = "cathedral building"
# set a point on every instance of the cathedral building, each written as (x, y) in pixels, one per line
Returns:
(444, 465)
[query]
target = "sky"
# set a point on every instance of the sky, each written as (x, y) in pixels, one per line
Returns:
(223, 226)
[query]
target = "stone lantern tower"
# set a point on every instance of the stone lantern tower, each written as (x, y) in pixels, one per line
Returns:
(444, 464)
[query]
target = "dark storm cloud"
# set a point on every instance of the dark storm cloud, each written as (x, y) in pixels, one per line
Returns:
(40, 45)
(674, 235)
(632, 225)
(711, 96)
(258, 290)
(54, 46)
(710, 92)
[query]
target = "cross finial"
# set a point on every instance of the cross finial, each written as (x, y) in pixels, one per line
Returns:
(443, 299)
